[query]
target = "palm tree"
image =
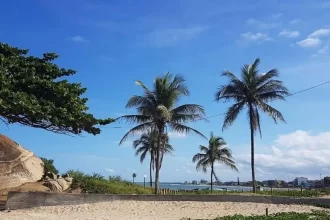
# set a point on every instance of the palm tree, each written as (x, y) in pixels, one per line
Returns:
(134, 176)
(215, 152)
(147, 144)
(157, 110)
(253, 91)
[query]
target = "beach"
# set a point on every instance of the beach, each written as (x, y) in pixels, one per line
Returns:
(131, 210)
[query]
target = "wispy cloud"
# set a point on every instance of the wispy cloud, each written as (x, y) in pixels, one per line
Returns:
(79, 39)
(295, 21)
(277, 16)
(289, 34)
(109, 170)
(171, 36)
(262, 25)
(176, 135)
(320, 33)
(309, 43)
(257, 37)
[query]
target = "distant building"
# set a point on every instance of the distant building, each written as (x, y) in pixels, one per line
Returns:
(326, 181)
(300, 181)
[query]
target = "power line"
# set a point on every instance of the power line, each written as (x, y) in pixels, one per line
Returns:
(292, 94)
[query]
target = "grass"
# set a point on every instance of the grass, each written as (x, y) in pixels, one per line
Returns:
(316, 215)
(96, 183)
(284, 193)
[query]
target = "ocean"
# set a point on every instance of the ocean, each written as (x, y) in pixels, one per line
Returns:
(175, 186)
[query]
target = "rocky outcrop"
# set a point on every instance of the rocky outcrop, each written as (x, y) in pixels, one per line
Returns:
(55, 184)
(17, 165)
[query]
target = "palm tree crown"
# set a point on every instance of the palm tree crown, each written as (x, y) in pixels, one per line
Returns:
(253, 91)
(216, 152)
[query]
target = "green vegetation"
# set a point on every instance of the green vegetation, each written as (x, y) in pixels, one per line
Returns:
(96, 183)
(35, 92)
(215, 152)
(317, 215)
(253, 91)
(146, 144)
(157, 110)
(49, 166)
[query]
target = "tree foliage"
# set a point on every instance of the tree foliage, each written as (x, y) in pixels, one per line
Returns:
(34, 92)
(253, 91)
(49, 166)
(215, 152)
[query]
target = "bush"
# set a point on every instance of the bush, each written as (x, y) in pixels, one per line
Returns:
(49, 166)
(96, 183)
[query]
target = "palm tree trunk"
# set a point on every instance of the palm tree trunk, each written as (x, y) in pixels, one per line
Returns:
(252, 148)
(158, 160)
(150, 171)
(212, 177)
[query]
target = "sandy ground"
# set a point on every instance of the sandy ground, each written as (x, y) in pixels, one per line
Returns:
(131, 210)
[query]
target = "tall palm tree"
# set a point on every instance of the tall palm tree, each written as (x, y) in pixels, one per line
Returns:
(147, 144)
(157, 109)
(253, 91)
(215, 152)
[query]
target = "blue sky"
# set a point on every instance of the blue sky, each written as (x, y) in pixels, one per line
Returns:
(114, 43)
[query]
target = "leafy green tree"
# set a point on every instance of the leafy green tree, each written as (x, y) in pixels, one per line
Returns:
(147, 144)
(35, 92)
(134, 176)
(215, 152)
(157, 109)
(49, 166)
(253, 91)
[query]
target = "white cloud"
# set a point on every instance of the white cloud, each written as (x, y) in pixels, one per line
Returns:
(176, 135)
(277, 16)
(187, 170)
(79, 39)
(295, 21)
(171, 36)
(262, 25)
(289, 34)
(310, 42)
(257, 37)
(109, 170)
(320, 33)
(297, 153)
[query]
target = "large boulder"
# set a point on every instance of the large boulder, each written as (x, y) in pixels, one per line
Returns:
(17, 165)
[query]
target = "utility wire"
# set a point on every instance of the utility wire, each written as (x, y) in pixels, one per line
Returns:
(292, 94)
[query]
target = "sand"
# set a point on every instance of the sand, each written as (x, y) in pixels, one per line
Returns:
(131, 210)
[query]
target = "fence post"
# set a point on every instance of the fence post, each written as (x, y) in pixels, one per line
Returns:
(266, 211)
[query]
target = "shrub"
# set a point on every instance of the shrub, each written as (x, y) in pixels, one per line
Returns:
(96, 183)
(49, 166)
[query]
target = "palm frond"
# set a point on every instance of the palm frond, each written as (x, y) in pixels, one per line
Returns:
(184, 129)
(134, 118)
(232, 114)
(198, 157)
(272, 112)
(137, 129)
(203, 149)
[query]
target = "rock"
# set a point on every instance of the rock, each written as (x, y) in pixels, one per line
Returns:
(65, 175)
(64, 184)
(53, 185)
(51, 175)
(17, 165)
(68, 179)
